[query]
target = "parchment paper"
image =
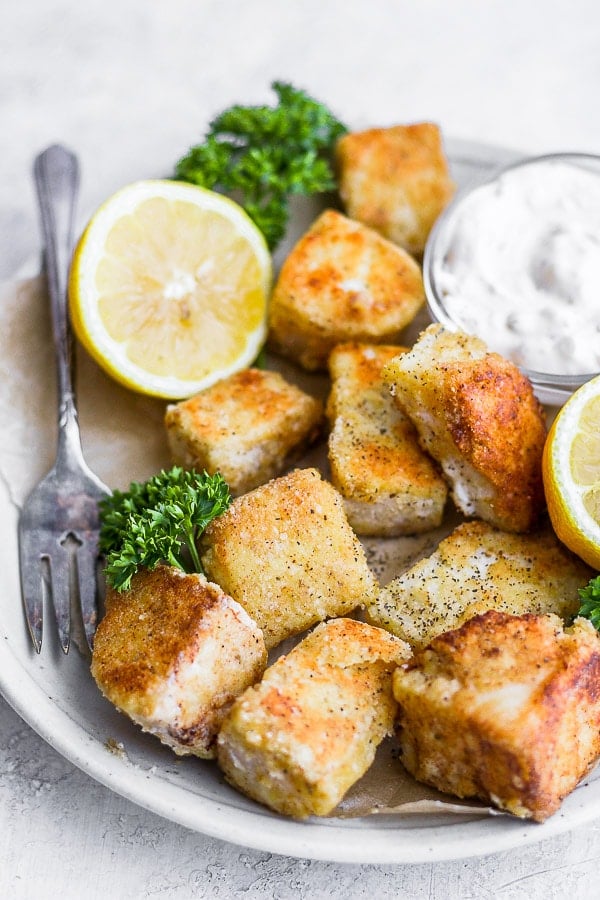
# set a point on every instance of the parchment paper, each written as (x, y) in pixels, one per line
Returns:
(123, 440)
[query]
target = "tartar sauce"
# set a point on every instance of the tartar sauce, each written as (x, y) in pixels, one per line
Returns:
(519, 266)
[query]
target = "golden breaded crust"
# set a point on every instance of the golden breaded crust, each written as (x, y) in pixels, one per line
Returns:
(477, 415)
(172, 652)
(505, 708)
(342, 281)
(395, 180)
(474, 569)
(389, 485)
(286, 552)
(248, 427)
(299, 740)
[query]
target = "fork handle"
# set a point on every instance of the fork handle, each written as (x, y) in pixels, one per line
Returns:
(56, 175)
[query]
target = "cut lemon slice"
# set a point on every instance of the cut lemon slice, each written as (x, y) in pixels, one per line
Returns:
(571, 470)
(169, 287)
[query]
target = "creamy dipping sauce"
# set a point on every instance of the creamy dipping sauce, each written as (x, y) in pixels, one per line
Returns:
(519, 266)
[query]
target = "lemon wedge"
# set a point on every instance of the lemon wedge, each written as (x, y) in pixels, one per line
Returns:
(169, 286)
(571, 472)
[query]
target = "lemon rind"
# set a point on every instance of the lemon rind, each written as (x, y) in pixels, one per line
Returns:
(88, 324)
(579, 520)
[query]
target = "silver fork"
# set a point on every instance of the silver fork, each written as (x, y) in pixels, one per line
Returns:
(59, 521)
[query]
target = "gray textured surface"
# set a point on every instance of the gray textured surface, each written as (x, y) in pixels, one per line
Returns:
(130, 85)
(63, 835)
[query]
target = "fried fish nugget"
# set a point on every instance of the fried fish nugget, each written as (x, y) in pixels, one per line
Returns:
(300, 739)
(477, 415)
(477, 568)
(389, 486)
(286, 552)
(395, 180)
(173, 652)
(505, 708)
(249, 427)
(341, 282)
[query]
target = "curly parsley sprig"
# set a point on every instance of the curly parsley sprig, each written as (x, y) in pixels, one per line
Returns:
(159, 521)
(267, 154)
(590, 602)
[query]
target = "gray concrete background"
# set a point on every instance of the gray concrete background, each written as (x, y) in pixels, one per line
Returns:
(130, 85)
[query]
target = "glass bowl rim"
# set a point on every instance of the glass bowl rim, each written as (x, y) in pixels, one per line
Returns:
(442, 224)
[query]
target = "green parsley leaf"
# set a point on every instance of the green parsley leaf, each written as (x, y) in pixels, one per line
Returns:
(159, 521)
(590, 602)
(266, 155)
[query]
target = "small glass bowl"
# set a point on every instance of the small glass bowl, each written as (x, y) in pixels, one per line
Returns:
(550, 388)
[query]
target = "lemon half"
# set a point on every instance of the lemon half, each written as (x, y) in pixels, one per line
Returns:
(169, 286)
(571, 471)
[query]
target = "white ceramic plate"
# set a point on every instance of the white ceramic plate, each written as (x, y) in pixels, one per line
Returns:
(57, 697)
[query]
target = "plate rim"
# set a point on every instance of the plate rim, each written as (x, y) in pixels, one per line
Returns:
(358, 841)
(260, 830)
